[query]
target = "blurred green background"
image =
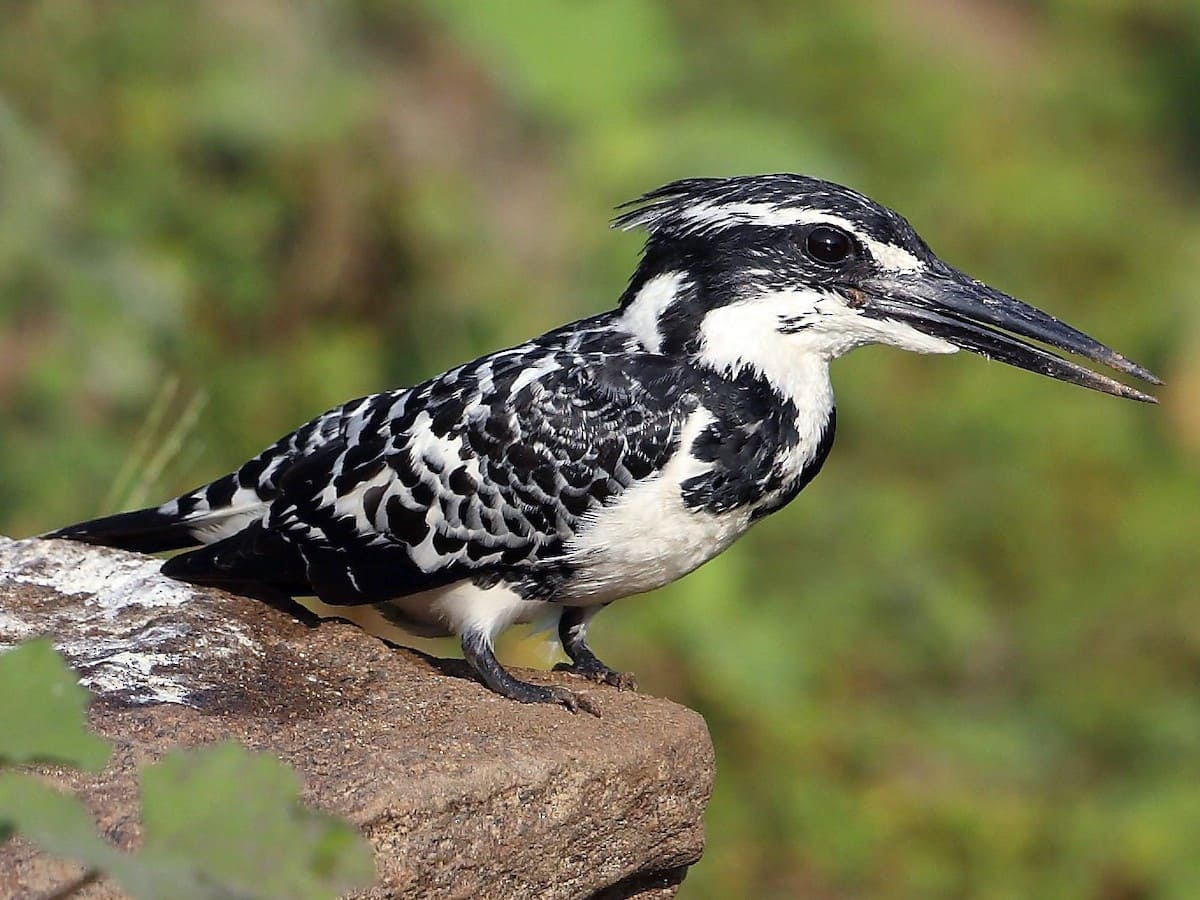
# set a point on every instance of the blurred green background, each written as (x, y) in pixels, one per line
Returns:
(966, 662)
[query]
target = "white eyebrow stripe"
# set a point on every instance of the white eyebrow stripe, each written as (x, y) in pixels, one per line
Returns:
(726, 215)
(891, 257)
(743, 213)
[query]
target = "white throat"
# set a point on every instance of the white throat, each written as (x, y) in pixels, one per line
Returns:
(745, 336)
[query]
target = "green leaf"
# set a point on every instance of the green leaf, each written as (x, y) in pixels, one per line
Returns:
(56, 822)
(218, 822)
(237, 817)
(60, 825)
(43, 709)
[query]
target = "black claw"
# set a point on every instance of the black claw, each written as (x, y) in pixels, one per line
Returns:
(623, 681)
(600, 673)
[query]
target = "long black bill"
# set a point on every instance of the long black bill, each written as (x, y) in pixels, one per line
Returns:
(947, 304)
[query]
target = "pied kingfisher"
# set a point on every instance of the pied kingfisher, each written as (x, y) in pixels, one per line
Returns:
(610, 456)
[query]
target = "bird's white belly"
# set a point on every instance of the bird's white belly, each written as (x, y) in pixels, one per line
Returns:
(463, 607)
(648, 538)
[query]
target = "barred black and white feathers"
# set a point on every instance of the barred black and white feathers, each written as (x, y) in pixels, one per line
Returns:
(612, 455)
(483, 473)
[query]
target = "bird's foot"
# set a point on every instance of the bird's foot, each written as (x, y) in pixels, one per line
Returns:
(594, 670)
(478, 652)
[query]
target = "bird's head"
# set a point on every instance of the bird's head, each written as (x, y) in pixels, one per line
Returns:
(743, 272)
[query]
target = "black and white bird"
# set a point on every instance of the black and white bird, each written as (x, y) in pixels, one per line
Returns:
(612, 455)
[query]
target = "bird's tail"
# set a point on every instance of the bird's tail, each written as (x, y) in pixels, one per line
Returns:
(203, 516)
(148, 530)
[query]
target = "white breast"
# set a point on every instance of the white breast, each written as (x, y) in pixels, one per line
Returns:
(647, 537)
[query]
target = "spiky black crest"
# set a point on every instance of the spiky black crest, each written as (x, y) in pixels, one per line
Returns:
(699, 205)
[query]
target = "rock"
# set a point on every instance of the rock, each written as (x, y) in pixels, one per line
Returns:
(462, 793)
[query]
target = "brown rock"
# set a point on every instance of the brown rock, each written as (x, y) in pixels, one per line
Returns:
(462, 793)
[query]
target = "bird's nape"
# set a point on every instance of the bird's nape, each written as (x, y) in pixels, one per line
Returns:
(971, 315)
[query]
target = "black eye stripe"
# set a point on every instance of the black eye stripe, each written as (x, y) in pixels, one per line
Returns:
(829, 245)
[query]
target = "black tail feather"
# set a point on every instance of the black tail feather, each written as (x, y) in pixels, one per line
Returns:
(253, 556)
(143, 531)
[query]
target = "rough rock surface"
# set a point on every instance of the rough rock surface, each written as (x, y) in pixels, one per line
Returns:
(462, 793)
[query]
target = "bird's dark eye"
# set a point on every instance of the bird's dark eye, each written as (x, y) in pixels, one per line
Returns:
(828, 245)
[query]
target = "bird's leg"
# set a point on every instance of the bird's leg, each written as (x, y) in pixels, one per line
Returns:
(477, 649)
(572, 631)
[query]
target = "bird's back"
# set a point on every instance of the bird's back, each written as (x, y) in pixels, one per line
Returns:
(483, 472)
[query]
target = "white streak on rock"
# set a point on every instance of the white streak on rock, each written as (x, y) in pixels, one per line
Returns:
(112, 582)
(111, 621)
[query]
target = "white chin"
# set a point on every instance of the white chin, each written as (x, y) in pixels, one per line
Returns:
(917, 342)
(859, 331)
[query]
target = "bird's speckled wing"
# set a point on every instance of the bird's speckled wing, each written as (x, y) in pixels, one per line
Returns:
(481, 473)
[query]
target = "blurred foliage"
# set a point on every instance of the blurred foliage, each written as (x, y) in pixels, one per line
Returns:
(217, 822)
(42, 706)
(965, 662)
